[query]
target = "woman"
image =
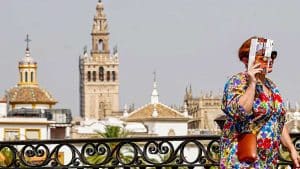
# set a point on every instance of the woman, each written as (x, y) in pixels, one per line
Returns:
(250, 96)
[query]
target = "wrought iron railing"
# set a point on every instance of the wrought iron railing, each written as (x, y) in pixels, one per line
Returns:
(147, 152)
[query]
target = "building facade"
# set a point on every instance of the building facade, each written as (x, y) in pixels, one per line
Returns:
(204, 110)
(26, 110)
(24, 128)
(27, 94)
(99, 73)
(157, 118)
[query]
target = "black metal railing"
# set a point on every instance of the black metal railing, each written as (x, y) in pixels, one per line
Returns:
(147, 152)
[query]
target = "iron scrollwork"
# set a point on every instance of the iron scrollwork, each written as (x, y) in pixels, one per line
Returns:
(174, 152)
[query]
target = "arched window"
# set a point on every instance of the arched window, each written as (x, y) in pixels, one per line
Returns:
(89, 76)
(94, 76)
(100, 45)
(171, 132)
(114, 76)
(108, 76)
(101, 110)
(21, 77)
(31, 76)
(26, 76)
(101, 73)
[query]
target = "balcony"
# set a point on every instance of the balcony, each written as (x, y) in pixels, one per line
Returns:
(140, 152)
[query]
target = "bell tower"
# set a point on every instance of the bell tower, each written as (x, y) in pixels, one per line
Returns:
(100, 35)
(27, 68)
(99, 73)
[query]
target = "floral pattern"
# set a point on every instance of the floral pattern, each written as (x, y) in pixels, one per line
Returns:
(267, 117)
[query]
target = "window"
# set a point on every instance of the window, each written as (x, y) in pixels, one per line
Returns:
(100, 45)
(89, 76)
(31, 77)
(11, 134)
(101, 73)
(21, 77)
(33, 134)
(108, 75)
(26, 76)
(94, 76)
(113, 75)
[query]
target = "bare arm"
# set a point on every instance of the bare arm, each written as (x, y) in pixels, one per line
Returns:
(287, 142)
(286, 139)
(246, 101)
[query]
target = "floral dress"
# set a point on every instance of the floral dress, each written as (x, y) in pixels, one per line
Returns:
(268, 117)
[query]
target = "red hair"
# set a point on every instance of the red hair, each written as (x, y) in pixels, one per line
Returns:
(245, 48)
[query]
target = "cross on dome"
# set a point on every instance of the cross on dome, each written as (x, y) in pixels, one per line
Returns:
(27, 40)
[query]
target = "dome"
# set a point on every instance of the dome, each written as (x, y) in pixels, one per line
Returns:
(30, 94)
(27, 59)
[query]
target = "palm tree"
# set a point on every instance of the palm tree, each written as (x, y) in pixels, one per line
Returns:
(111, 132)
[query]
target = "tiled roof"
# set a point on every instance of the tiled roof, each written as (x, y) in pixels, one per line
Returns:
(164, 113)
(3, 99)
(30, 95)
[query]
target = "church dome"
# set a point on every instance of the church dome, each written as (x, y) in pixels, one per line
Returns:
(27, 59)
(30, 94)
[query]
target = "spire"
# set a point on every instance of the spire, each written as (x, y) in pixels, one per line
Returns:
(185, 112)
(154, 96)
(27, 58)
(100, 34)
(115, 51)
(27, 68)
(154, 113)
(85, 49)
(125, 113)
(100, 21)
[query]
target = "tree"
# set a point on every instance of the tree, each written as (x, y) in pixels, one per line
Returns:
(111, 132)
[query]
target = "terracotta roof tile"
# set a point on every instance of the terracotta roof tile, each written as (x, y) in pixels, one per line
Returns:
(164, 112)
(30, 95)
(3, 99)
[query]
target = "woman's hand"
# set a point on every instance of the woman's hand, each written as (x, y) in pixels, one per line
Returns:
(246, 100)
(253, 70)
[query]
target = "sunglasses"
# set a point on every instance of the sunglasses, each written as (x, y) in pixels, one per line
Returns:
(262, 53)
(274, 55)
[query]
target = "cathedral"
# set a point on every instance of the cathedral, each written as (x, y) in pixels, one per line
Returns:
(204, 109)
(99, 73)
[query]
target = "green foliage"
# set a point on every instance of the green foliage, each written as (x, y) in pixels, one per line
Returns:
(113, 132)
(6, 156)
